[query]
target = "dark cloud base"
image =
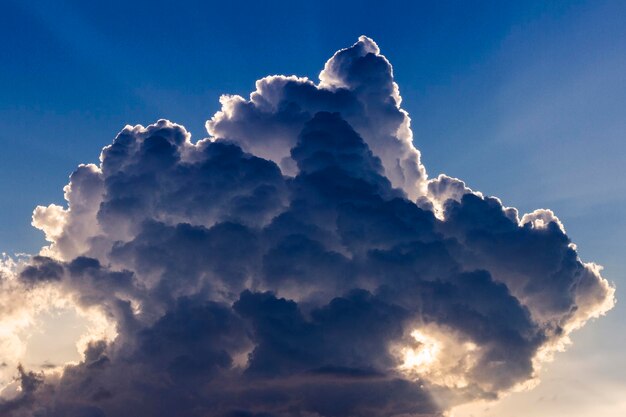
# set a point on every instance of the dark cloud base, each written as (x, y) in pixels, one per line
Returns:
(289, 283)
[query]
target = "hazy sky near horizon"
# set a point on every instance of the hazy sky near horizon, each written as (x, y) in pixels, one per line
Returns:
(524, 101)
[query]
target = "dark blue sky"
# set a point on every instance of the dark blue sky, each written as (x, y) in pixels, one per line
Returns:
(473, 77)
(522, 100)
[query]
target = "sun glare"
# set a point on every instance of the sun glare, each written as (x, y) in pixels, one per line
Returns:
(419, 358)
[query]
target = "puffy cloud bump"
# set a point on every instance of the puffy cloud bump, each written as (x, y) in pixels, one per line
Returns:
(298, 262)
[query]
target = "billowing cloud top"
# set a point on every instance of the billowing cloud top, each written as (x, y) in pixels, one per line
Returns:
(298, 262)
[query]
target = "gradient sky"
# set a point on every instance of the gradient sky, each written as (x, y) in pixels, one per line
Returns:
(523, 101)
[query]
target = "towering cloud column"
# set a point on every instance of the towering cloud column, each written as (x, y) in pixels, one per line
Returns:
(298, 262)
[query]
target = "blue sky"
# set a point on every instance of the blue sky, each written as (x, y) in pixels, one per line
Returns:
(522, 100)
(535, 92)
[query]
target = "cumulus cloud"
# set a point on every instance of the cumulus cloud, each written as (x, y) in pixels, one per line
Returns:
(297, 262)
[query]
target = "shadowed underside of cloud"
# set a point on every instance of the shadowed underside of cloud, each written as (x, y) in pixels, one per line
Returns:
(298, 262)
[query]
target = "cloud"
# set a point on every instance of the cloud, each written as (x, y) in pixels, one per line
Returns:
(298, 262)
